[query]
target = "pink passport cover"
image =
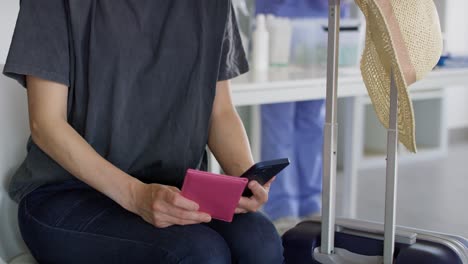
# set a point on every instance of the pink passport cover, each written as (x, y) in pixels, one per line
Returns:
(217, 195)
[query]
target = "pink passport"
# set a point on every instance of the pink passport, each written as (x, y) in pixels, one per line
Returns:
(218, 195)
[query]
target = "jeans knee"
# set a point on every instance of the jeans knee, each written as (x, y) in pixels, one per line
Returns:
(268, 252)
(209, 250)
(263, 245)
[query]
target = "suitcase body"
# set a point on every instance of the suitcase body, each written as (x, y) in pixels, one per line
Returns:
(329, 240)
(366, 238)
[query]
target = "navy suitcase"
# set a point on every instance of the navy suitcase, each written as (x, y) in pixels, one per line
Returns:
(336, 241)
(366, 238)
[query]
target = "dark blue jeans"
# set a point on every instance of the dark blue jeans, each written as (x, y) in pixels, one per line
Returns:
(70, 222)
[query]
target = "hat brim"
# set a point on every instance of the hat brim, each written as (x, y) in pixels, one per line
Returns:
(378, 61)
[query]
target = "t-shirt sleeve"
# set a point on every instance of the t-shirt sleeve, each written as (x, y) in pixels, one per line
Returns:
(233, 59)
(40, 45)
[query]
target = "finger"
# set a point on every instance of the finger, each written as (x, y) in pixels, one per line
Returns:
(269, 182)
(176, 199)
(248, 204)
(187, 215)
(162, 224)
(171, 220)
(240, 211)
(148, 218)
(174, 189)
(259, 192)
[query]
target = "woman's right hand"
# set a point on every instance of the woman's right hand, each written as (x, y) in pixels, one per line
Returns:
(164, 206)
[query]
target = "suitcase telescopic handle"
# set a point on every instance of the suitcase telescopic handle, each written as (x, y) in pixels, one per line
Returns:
(330, 132)
(327, 250)
(392, 175)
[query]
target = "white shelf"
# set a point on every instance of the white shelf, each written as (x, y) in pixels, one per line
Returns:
(297, 84)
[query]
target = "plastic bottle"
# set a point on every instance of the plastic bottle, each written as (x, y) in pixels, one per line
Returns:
(280, 30)
(260, 51)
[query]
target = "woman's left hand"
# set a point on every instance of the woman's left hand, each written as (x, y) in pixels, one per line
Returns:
(259, 197)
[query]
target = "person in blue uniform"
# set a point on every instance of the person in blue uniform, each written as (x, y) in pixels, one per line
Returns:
(124, 96)
(294, 130)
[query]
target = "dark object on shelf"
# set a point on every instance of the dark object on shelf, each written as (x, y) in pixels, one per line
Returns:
(442, 60)
(449, 61)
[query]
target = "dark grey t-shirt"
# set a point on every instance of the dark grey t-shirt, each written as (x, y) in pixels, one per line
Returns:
(141, 75)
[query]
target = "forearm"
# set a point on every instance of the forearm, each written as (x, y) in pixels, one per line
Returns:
(229, 143)
(63, 144)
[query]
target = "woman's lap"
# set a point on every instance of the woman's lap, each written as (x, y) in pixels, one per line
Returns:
(72, 223)
(252, 238)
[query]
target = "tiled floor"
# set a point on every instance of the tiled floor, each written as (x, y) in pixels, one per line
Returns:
(431, 195)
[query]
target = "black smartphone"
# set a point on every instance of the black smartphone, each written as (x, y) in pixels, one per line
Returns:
(263, 171)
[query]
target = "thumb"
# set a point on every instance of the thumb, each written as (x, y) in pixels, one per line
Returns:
(174, 189)
(269, 182)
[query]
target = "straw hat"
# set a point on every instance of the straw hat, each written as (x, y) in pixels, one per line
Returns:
(405, 35)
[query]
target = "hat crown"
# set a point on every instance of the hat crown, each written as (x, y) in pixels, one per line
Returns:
(420, 28)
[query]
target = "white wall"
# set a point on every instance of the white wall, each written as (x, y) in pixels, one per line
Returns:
(8, 13)
(456, 34)
(456, 27)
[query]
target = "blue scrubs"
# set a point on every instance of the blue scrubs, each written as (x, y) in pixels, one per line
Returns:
(295, 130)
